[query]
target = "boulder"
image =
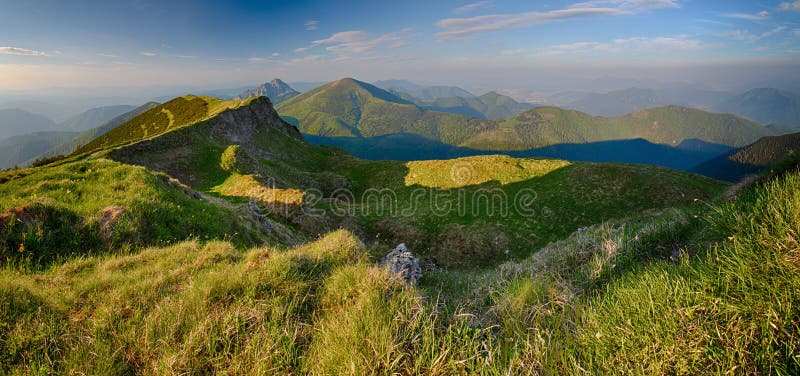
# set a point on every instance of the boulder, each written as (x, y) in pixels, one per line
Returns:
(403, 264)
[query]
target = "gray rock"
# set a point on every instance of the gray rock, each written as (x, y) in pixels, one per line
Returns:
(403, 264)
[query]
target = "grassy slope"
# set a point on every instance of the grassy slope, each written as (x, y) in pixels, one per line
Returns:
(174, 114)
(540, 201)
(61, 211)
(750, 159)
(668, 125)
(606, 300)
(562, 197)
(352, 108)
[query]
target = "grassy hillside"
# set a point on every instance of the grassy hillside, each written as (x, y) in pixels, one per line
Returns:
(65, 144)
(709, 290)
(174, 114)
(485, 209)
(98, 206)
(751, 159)
(669, 125)
(349, 108)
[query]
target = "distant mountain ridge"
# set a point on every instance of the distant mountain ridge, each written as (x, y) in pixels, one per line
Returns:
(350, 108)
(766, 106)
(16, 122)
(93, 117)
(276, 90)
(492, 106)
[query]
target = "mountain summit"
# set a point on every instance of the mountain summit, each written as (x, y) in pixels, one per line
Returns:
(276, 90)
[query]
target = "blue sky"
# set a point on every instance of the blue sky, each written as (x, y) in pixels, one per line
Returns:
(143, 42)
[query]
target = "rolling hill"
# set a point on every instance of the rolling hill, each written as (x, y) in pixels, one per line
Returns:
(349, 108)
(276, 90)
(669, 125)
(751, 159)
(354, 109)
(624, 101)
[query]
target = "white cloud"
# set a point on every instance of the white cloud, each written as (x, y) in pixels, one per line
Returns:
(148, 53)
(747, 16)
(747, 36)
(360, 41)
(276, 54)
(113, 56)
(795, 5)
(457, 28)
(473, 7)
(21, 51)
(256, 59)
(514, 52)
(634, 44)
(186, 56)
(312, 25)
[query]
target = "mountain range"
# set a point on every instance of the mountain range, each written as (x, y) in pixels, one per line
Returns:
(767, 106)
(350, 108)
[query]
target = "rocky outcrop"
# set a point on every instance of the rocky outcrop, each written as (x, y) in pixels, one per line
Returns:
(402, 264)
(276, 90)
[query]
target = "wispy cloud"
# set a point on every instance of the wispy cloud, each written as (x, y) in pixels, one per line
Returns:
(360, 41)
(111, 56)
(747, 36)
(457, 28)
(514, 52)
(747, 16)
(312, 25)
(256, 59)
(794, 5)
(186, 56)
(148, 53)
(276, 54)
(473, 7)
(21, 51)
(620, 45)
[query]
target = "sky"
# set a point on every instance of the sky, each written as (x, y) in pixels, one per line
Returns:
(203, 43)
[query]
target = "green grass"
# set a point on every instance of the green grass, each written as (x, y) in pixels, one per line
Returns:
(100, 206)
(706, 290)
(499, 203)
(160, 119)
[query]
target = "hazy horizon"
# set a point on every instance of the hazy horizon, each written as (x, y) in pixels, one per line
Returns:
(486, 45)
